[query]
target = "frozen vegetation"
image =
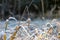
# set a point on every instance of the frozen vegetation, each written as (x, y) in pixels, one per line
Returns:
(30, 30)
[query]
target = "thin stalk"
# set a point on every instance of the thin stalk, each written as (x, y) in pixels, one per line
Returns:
(24, 10)
(42, 2)
(3, 8)
(19, 2)
(14, 7)
(27, 9)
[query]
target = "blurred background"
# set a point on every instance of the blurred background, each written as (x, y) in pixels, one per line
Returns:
(48, 9)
